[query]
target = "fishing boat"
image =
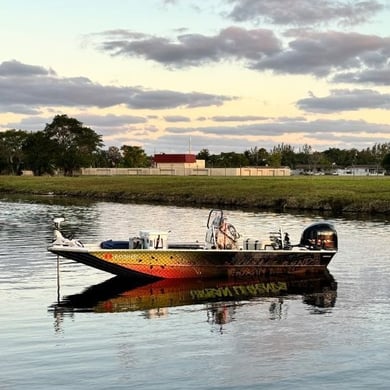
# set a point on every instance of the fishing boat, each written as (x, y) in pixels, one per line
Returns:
(223, 253)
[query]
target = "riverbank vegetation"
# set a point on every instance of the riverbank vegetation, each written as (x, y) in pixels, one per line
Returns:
(65, 145)
(335, 194)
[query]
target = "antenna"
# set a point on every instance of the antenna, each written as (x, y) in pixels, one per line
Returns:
(189, 145)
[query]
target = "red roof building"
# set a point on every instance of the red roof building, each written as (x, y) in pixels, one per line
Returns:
(177, 161)
(174, 158)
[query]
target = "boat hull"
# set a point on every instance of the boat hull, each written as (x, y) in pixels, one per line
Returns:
(185, 264)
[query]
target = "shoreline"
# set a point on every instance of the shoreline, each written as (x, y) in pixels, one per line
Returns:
(335, 195)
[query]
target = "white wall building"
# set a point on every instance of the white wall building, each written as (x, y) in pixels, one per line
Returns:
(186, 165)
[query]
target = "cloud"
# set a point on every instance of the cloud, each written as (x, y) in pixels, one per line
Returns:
(182, 143)
(314, 128)
(161, 99)
(238, 118)
(111, 120)
(15, 68)
(321, 133)
(370, 76)
(32, 123)
(304, 12)
(97, 122)
(191, 49)
(39, 87)
(341, 100)
(306, 52)
(176, 118)
(320, 53)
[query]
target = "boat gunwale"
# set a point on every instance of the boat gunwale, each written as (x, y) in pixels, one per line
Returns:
(97, 249)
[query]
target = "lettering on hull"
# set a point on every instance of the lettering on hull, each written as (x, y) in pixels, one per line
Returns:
(239, 291)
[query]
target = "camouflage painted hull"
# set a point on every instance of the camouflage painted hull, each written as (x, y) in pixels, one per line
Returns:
(199, 263)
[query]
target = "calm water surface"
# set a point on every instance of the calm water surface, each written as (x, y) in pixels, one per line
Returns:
(161, 337)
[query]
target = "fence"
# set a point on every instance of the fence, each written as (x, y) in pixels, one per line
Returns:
(166, 171)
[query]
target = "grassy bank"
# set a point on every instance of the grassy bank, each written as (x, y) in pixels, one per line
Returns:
(326, 193)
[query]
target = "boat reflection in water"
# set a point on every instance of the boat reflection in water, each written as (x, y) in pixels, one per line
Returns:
(220, 297)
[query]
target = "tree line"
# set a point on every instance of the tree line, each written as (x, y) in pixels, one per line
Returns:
(65, 145)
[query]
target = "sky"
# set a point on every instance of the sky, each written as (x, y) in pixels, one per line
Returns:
(180, 76)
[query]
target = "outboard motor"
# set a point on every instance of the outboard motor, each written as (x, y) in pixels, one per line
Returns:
(319, 235)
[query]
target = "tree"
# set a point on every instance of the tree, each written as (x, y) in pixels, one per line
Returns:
(286, 155)
(257, 157)
(75, 144)
(134, 157)
(39, 153)
(379, 151)
(110, 158)
(386, 162)
(275, 159)
(303, 155)
(3, 156)
(114, 156)
(318, 162)
(204, 154)
(11, 142)
(228, 160)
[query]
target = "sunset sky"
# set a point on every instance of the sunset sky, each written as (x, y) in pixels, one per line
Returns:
(176, 76)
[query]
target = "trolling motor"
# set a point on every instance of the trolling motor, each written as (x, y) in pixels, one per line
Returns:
(57, 222)
(59, 238)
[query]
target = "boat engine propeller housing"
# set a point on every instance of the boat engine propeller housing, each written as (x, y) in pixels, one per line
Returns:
(319, 235)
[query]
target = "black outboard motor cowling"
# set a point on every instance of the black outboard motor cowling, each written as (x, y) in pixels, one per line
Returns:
(319, 235)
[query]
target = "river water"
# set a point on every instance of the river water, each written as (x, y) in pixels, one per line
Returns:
(89, 331)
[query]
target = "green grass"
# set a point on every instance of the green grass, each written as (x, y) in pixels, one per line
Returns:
(333, 193)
